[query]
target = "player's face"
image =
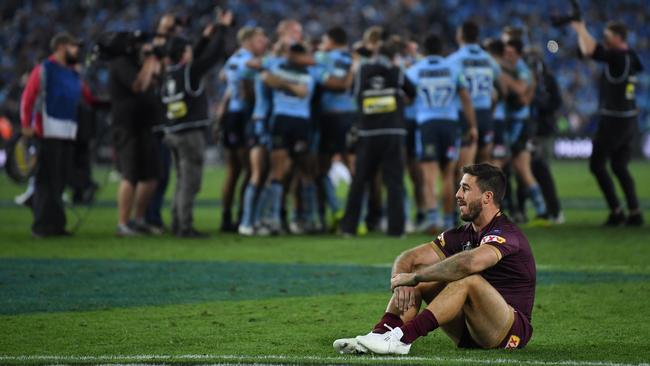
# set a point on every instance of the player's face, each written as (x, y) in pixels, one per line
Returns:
(468, 198)
(611, 40)
(510, 55)
(292, 34)
(71, 54)
(325, 44)
(258, 44)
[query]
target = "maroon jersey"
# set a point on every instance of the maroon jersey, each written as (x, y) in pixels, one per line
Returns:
(514, 275)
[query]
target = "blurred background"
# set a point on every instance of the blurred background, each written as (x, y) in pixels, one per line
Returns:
(27, 26)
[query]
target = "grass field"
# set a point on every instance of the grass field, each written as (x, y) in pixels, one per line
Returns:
(95, 298)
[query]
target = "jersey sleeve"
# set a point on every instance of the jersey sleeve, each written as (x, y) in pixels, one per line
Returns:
(412, 74)
(503, 243)
(601, 54)
(461, 80)
(29, 95)
(447, 244)
(245, 72)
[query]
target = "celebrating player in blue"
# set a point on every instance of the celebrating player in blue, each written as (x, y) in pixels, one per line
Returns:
(441, 85)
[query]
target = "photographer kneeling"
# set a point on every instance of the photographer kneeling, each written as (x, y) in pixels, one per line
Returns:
(186, 105)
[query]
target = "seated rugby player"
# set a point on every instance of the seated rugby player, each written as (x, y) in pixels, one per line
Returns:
(478, 280)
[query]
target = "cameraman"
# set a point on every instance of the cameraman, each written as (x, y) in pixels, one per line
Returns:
(618, 117)
(135, 108)
(186, 105)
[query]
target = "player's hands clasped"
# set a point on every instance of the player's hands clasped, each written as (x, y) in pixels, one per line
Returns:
(404, 297)
(403, 279)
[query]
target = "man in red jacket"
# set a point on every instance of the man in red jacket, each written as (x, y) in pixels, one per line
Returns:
(48, 111)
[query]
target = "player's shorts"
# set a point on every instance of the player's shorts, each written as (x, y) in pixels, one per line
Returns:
(138, 153)
(518, 136)
(315, 141)
(411, 132)
(334, 129)
(291, 133)
(234, 130)
(517, 337)
(257, 133)
(485, 125)
(438, 140)
(500, 150)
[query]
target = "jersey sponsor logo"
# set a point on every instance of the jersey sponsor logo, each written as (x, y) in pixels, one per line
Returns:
(468, 246)
(513, 342)
(375, 105)
(493, 239)
(441, 239)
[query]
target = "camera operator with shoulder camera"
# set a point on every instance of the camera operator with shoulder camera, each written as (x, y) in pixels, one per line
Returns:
(133, 87)
(186, 111)
(618, 113)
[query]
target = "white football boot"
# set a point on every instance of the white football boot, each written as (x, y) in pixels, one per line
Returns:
(349, 346)
(388, 343)
(246, 230)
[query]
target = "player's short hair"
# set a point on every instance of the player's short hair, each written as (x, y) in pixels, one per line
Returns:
(338, 35)
(517, 45)
(373, 35)
(494, 46)
(283, 25)
(470, 31)
(488, 178)
(247, 33)
(513, 32)
(618, 28)
(62, 38)
(433, 44)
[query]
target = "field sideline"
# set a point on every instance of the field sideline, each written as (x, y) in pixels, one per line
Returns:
(98, 299)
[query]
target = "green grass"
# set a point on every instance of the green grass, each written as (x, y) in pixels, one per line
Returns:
(95, 298)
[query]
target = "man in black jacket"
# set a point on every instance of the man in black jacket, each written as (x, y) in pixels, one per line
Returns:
(618, 113)
(186, 111)
(380, 87)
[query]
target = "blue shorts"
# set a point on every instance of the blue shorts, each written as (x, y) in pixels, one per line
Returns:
(518, 135)
(438, 140)
(334, 128)
(485, 125)
(291, 133)
(234, 130)
(257, 133)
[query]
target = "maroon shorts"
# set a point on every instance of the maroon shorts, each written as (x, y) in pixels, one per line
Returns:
(517, 337)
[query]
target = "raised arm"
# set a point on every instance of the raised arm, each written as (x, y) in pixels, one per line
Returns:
(586, 42)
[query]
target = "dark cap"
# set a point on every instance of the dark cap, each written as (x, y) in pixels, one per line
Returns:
(62, 38)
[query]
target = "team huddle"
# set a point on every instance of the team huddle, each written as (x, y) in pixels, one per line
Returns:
(388, 105)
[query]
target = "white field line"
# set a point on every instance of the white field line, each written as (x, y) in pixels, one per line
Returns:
(287, 358)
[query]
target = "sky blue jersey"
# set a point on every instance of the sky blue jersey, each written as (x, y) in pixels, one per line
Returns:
(437, 80)
(290, 105)
(480, 71)
(236, 73)
(335, 63)
(263, 94)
